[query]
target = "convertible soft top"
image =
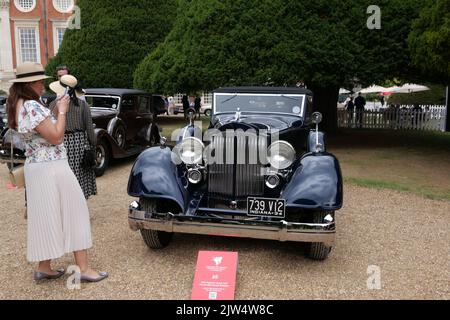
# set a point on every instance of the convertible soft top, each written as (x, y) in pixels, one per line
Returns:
(114, 91)
(279, 90)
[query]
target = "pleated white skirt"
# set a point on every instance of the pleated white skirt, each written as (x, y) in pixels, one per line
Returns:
(58, 216)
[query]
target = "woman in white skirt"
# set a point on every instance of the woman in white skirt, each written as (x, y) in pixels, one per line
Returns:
(58, 216)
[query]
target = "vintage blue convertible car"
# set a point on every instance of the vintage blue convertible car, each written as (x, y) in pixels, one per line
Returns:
(261, 170)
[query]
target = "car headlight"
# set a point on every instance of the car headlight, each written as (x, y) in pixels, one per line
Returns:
(191, 150)
(281, 154)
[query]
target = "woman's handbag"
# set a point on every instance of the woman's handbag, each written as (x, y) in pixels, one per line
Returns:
(16, 174)
(89, 161)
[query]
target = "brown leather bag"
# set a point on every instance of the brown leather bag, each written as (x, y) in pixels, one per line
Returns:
(16, 174)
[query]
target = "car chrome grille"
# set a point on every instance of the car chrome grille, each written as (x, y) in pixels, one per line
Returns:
(238, 175)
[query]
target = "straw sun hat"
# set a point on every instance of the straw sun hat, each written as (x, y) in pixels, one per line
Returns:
(66, 81)
(29, 72)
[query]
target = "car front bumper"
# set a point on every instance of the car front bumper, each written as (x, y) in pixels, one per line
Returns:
(270, 230)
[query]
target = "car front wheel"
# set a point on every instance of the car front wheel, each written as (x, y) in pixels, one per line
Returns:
(102, 157)
(208, 112)
(154, 239)
(119, 135)
(318, 250)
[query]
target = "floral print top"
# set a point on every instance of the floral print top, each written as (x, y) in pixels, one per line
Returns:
(37, 149)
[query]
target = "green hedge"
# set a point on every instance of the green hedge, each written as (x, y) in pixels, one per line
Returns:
(114, 37)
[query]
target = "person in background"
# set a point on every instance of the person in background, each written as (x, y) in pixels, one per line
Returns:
(79, 136)
(61, 70)
(197, 105)
(185, 101)
(192, 104)
(350, 106)
(171, 106)
(360, 102)
(381, 97)
(58, 216)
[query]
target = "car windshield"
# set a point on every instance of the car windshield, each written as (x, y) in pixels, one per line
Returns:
(261, 103)
(108, 102)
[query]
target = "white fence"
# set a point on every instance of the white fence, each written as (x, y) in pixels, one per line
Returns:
(206, 98)
(430, 117)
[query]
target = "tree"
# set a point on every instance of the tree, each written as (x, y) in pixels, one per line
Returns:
(429, 42)
(114, 37)
(325, 43)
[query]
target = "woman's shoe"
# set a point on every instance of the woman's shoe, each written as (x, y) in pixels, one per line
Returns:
(42, 275)
(102, 275)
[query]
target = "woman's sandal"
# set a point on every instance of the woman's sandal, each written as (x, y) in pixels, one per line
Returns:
(42, 275)
(102, 275)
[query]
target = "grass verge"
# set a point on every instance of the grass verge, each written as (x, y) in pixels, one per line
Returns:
(379, 184)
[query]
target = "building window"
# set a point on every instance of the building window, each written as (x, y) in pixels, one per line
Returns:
(25, 5)
(63, 6)
(28, 45)
(59, 30)
(60, 34)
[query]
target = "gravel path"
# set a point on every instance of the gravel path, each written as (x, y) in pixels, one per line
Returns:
(406, 236)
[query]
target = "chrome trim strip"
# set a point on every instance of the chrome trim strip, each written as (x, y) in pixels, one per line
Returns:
(281, 231)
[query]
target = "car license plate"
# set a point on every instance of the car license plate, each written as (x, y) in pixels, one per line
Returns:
(266, 207)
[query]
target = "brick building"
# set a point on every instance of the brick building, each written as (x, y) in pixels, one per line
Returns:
(30, 30)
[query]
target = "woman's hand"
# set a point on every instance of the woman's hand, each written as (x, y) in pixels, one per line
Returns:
(63, 104)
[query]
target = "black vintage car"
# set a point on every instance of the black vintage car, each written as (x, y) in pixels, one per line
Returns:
(125, 123)
(261, 171)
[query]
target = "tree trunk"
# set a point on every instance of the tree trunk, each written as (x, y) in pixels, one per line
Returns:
(325, 101)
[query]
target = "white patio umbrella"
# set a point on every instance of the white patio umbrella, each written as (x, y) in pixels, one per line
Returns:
(343, 91)
(373, 89)
(407, 88)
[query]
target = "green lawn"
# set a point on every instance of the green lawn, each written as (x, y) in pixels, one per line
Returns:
(409, 161)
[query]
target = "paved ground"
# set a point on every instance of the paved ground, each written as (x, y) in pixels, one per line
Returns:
(406, 236)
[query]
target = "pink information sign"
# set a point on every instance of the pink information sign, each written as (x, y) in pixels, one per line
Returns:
(215, 276)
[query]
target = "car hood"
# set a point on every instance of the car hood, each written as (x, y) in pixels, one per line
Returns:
(267, 121)
(101, 113)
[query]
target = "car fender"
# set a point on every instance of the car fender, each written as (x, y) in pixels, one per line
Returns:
(316, 184)
(113, 123)
(152, 130)
(116, 151)
(155, 175)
